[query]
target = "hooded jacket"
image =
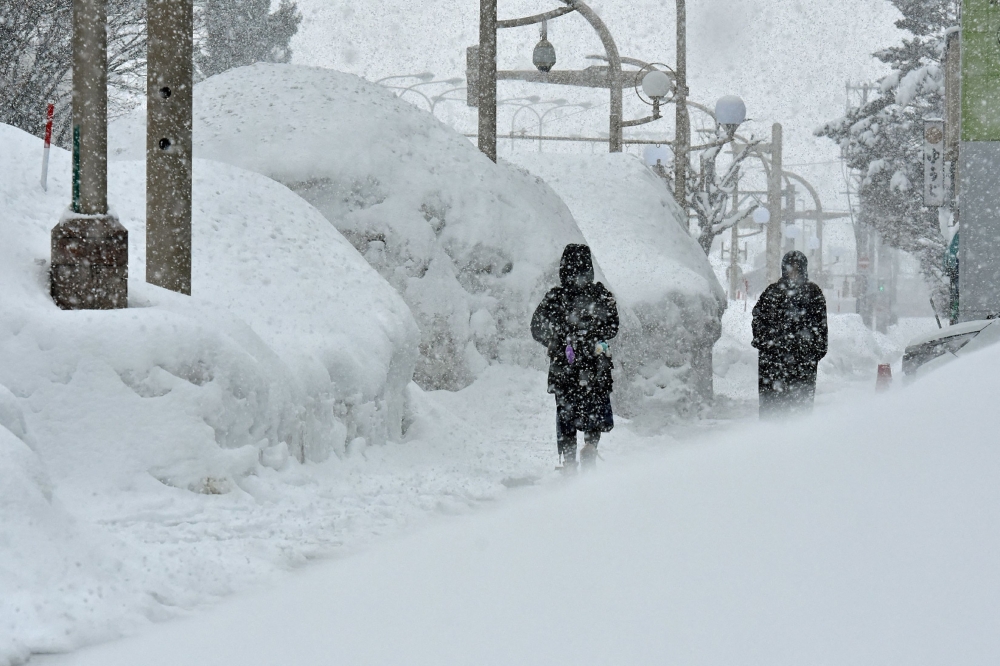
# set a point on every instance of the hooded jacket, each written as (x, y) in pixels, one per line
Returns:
(579, 313)
(789, 320)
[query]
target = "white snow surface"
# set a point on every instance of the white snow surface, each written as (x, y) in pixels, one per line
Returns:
(471, 245)
(291, 347)
(864, 534)
(653, 266)
(854, 354)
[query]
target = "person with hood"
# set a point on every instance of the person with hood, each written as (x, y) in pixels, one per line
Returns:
(790, 334)
(575, 321)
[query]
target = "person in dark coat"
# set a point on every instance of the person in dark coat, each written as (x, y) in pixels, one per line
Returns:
(790, 334)
(575, 321)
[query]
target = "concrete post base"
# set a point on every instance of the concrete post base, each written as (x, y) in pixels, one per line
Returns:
(89, 263)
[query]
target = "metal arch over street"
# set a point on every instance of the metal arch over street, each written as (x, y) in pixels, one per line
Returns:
(487, 75)
(537, 18)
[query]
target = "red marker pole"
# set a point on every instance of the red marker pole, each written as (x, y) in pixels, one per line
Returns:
(48, 143)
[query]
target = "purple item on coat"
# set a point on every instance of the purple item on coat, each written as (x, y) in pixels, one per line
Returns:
(570, 354)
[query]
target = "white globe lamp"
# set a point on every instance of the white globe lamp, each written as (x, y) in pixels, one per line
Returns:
(730, 112)
(656, 84)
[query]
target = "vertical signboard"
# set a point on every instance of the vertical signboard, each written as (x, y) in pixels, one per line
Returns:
(979, 157)
(934, 182)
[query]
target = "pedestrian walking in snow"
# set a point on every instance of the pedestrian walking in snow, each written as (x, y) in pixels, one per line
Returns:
(790, 334)
(575, 321)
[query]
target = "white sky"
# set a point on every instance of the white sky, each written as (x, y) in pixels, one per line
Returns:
(788, 60)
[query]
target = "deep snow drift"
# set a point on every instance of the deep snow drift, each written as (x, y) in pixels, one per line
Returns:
(292, 346)
(865, 534)
(471, 245)
(656, 270)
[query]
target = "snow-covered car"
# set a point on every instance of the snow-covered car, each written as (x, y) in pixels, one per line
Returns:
(927, 352)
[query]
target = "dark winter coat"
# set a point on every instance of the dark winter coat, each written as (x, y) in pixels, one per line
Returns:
(577, 315)
(790, 334)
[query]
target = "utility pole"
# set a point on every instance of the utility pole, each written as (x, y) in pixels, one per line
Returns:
(774, 207)
(734, 244)
(682, 133)
(487, 80)
(169, 88)
(953, 137)
(89, 269)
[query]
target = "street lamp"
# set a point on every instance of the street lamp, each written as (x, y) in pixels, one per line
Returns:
(560, 104)
(657, 86)
(427, 79)
(422, 76)
(730, 113)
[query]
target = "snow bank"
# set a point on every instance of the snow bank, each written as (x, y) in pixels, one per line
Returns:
(59, 585)
(291, 346)
(470, 245)
(300, 340)
(656, 270)
(863, 535)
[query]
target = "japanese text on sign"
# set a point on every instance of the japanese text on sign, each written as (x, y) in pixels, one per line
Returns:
(934, 174)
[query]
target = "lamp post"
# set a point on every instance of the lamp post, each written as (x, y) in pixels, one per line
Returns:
(423, 76)
(773, 246)
(413, 88)
(564, 105)
(682, 121)
(483, 74)
(522, 107)
(730, 113)
(89, 260)
(443, 97)
(486, 79)
(527, 103)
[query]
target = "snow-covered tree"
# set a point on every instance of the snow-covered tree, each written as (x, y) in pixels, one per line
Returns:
(242, 32)
(883, 140)
(710, 196)
(36, 61)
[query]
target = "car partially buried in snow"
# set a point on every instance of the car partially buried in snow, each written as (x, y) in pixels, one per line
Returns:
(928, 352)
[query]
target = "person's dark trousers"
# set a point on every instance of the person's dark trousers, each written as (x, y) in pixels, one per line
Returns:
(566, 431)
(785, 387)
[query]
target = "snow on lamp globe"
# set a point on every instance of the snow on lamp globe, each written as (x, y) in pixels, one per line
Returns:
(656, 84)
(730, 112)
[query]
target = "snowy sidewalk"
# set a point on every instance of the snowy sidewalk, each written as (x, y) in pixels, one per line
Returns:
(175, 551)
(864, 534)
(166, 552)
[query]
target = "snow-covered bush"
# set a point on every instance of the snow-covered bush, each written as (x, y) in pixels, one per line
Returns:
(656, 270)
(469, 244)
(291, 343)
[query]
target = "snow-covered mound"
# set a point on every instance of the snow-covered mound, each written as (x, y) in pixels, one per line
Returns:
(290, 340)
(656, 270)
(69, 594)
(291, 346)
(470, 245)
(865, 534)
